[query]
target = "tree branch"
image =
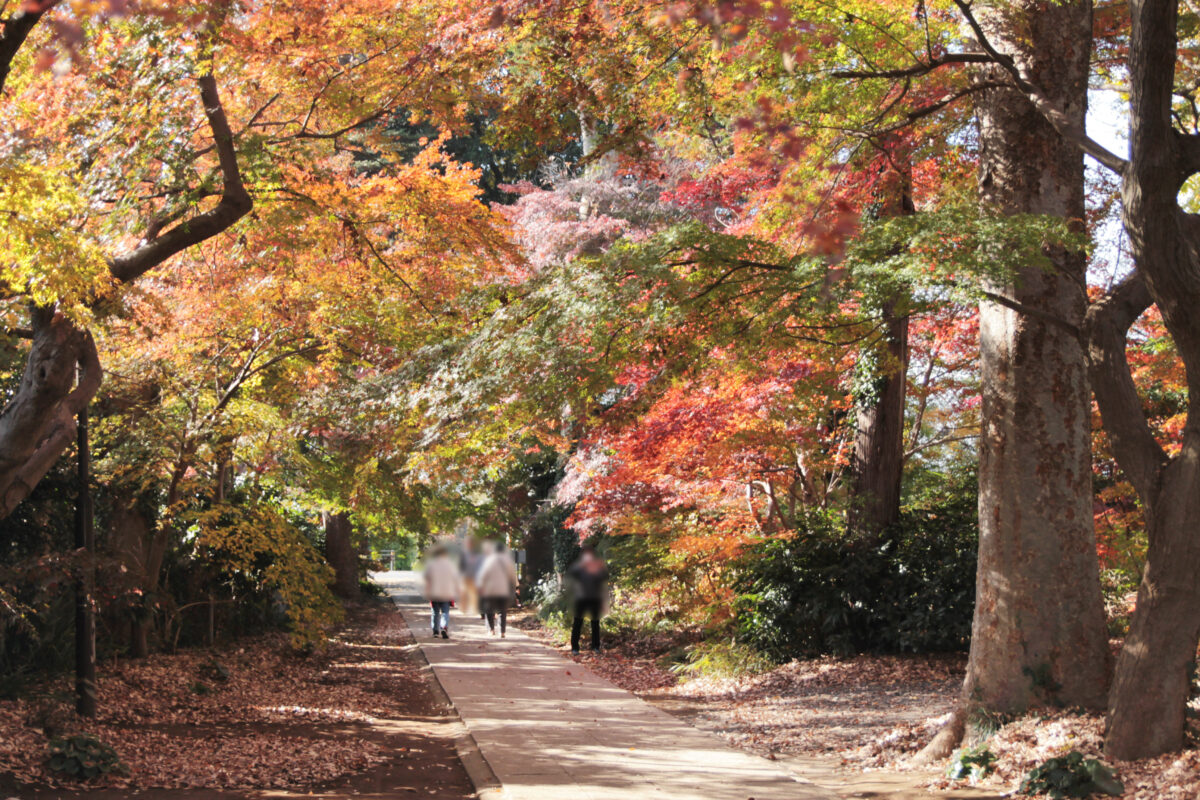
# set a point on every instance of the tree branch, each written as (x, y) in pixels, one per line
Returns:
(920, 68)
(235, 201)
(16, 31)
(1066, 127)
(1107, 327)
(1045, 316)
(1189, 154)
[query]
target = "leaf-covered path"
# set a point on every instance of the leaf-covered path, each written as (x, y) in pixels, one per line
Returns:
(545, 724)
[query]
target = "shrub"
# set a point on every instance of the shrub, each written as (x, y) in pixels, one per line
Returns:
(721, 659)
(821, 591)
(83, 757)
(971, 763)
(552, 600)
(256, 545)
(1072, 775)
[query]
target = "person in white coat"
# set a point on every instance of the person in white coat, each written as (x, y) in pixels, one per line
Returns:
(443, 585)
(497, 583)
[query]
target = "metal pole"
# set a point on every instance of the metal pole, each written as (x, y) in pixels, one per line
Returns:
(85, 619)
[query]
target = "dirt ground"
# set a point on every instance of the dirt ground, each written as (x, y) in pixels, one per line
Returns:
(853, 724)
(358, 721)
(834, 722)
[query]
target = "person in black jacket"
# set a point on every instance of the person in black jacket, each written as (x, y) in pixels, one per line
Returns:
(588, 576)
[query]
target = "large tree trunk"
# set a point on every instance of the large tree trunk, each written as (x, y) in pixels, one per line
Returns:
(38, 424)
(1038, 635)
(879, 435)
(1148, 703)
(341, 554)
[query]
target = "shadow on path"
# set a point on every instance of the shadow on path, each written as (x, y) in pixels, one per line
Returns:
(545, 724)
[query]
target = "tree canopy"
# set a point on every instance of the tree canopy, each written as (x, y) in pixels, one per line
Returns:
(705, 277)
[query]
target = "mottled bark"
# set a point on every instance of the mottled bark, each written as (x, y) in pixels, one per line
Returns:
(38, 423)
(1038, 635)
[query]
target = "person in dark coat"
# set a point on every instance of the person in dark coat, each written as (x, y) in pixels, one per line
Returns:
(589, 577)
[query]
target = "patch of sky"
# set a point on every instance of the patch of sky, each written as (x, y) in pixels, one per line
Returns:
(1107, 123)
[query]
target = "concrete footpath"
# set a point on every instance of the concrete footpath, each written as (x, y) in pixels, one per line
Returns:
(550, 728)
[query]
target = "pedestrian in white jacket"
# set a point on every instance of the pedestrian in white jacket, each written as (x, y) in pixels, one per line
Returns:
(443, 585)
(497, 582)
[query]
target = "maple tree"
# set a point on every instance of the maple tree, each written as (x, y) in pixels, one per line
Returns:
(690, 272)
(1024, 47)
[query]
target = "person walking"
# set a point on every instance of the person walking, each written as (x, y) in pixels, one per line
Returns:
(588, 576)
(470, 568)
(497, 581)
(443, 584)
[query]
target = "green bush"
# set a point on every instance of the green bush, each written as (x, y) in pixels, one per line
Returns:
(1072, 775)
(971, 763)
(552, 601)
(721, 659)
(83, 757)
(822, 591)
(370, 588)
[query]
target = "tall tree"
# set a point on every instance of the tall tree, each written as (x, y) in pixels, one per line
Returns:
(1039, 633)
(38, 423)
(1148, 699)
(880, 409)
(1148, 703)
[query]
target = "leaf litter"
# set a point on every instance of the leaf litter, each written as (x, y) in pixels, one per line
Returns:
(251, 716)
(872, 714)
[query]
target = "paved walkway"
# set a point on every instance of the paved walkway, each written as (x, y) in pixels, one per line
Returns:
(551, 728)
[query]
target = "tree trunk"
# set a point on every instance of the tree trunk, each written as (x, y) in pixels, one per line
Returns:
(1148, 704)
(879, 428)
(341, 555)
(38, 424)
(130, 536)
(1038, 635)
(879, 436)
(85, 615)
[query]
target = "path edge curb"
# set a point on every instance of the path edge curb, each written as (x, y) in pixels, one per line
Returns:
(479, 771)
